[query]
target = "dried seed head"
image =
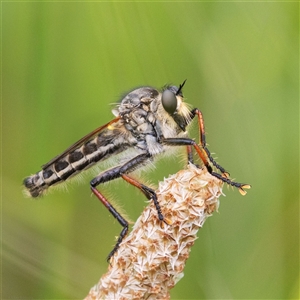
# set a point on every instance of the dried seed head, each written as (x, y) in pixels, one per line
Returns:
(150, 261)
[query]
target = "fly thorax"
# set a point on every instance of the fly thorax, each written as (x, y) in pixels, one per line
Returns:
(138, 122)
(138, 116)
(138, 112)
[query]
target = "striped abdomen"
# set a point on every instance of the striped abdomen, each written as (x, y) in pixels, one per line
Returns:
(86, 155)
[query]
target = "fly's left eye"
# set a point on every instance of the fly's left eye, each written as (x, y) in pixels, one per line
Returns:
(169, 101)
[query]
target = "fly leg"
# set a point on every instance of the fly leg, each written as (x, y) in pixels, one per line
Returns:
(205, 158)
(197, 112)
(148, 192)
(189, 150)
(121, 171)
(116, 215)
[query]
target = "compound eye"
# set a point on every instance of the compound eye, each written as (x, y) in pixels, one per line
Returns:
(169, 101)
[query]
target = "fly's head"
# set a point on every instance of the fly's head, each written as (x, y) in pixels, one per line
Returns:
(173, 104)
(146, 112)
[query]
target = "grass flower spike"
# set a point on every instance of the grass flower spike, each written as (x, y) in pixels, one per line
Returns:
(151, 259)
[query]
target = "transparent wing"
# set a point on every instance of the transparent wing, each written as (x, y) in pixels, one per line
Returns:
(80, 142)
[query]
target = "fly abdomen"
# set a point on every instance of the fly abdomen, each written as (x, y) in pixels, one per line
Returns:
(36, 184)
(71, 164)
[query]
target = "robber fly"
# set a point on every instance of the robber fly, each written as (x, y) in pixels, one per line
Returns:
(147, 123)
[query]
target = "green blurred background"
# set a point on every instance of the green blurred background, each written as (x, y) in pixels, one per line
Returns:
(64, 63)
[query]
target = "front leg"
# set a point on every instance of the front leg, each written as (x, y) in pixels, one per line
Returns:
(205, 158)
(197, 112)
